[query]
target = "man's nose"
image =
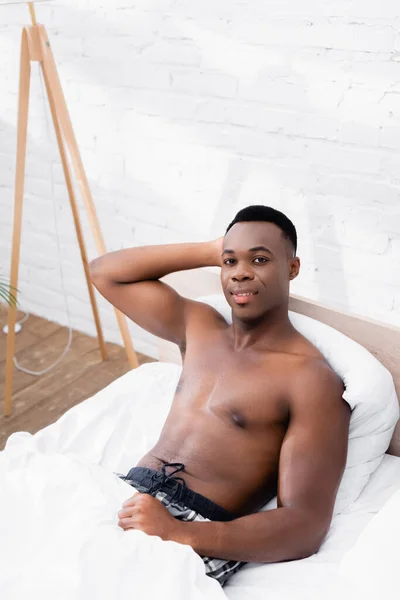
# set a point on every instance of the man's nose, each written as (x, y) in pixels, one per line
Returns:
(241, 273)
(241, 278)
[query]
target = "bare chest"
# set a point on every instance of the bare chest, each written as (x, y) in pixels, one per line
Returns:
(242, 390)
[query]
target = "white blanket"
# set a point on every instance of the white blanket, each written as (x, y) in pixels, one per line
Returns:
(58, 511)
(60, 539)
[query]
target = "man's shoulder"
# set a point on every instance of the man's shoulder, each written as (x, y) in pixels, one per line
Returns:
(200, 314)
(315, 369)
(314, 380)
(310, 363)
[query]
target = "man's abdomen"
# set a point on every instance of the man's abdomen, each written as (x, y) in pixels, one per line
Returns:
(231, 466)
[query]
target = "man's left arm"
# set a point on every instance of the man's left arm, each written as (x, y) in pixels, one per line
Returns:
(312, 461)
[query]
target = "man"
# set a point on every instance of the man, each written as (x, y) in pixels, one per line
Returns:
(257, 412)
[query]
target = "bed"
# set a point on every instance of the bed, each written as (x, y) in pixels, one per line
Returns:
(59, 494)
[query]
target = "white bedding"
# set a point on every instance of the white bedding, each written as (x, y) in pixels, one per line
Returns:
(370, 569)
(59, 499)
(317, 577)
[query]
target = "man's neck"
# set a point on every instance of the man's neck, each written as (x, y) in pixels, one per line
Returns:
(272, 331)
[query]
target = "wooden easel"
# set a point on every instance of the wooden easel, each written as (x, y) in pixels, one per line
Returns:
(35, 47)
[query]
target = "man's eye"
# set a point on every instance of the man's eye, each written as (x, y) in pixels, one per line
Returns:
(261, 259)
(229, 261)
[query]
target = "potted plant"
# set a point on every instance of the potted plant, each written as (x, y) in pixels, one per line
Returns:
(7, 292)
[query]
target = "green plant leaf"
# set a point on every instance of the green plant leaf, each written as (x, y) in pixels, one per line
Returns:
(7, 294)
(6, 284)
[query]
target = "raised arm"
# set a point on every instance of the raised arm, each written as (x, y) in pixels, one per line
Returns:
(129, 279)
(312, 462)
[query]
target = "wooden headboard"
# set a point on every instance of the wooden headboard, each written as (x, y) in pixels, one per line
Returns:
(383, 341)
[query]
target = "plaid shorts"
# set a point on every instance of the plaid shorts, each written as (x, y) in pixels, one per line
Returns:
(185, 505)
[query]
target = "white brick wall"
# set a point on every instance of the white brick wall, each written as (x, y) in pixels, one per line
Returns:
(186, 111)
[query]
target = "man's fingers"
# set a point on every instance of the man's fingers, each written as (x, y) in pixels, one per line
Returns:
(132, 504)
(131, 500)
(125, 512)
(132, 509)
(126, 523)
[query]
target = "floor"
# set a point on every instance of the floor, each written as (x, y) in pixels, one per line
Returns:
(39, 401)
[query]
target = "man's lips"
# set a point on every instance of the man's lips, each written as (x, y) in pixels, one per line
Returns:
(243, 296)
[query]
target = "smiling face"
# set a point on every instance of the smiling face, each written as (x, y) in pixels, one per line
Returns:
(257, 267)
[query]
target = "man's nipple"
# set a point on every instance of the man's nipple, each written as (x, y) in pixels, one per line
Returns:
(239, 420)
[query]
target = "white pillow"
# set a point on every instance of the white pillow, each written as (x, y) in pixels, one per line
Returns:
(370, 392)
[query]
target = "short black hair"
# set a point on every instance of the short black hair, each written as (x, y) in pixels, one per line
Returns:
(259, 212)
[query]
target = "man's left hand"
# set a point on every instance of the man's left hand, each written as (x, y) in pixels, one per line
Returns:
(147, 514)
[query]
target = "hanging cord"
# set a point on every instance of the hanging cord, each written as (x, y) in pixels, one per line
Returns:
(18, 366)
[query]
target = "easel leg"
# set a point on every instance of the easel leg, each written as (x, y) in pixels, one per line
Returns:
(65, 124)
(23, 107)
(75, 214)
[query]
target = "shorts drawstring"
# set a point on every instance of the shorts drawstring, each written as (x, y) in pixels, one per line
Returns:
(157, 486)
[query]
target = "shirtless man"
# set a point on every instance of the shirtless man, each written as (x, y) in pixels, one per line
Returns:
(257, 412)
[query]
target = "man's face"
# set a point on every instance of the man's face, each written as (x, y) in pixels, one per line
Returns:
(257, 267)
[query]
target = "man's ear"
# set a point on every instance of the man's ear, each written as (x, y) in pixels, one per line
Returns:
(294, 267)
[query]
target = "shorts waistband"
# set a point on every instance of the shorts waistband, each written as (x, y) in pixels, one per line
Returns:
(159, 481)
